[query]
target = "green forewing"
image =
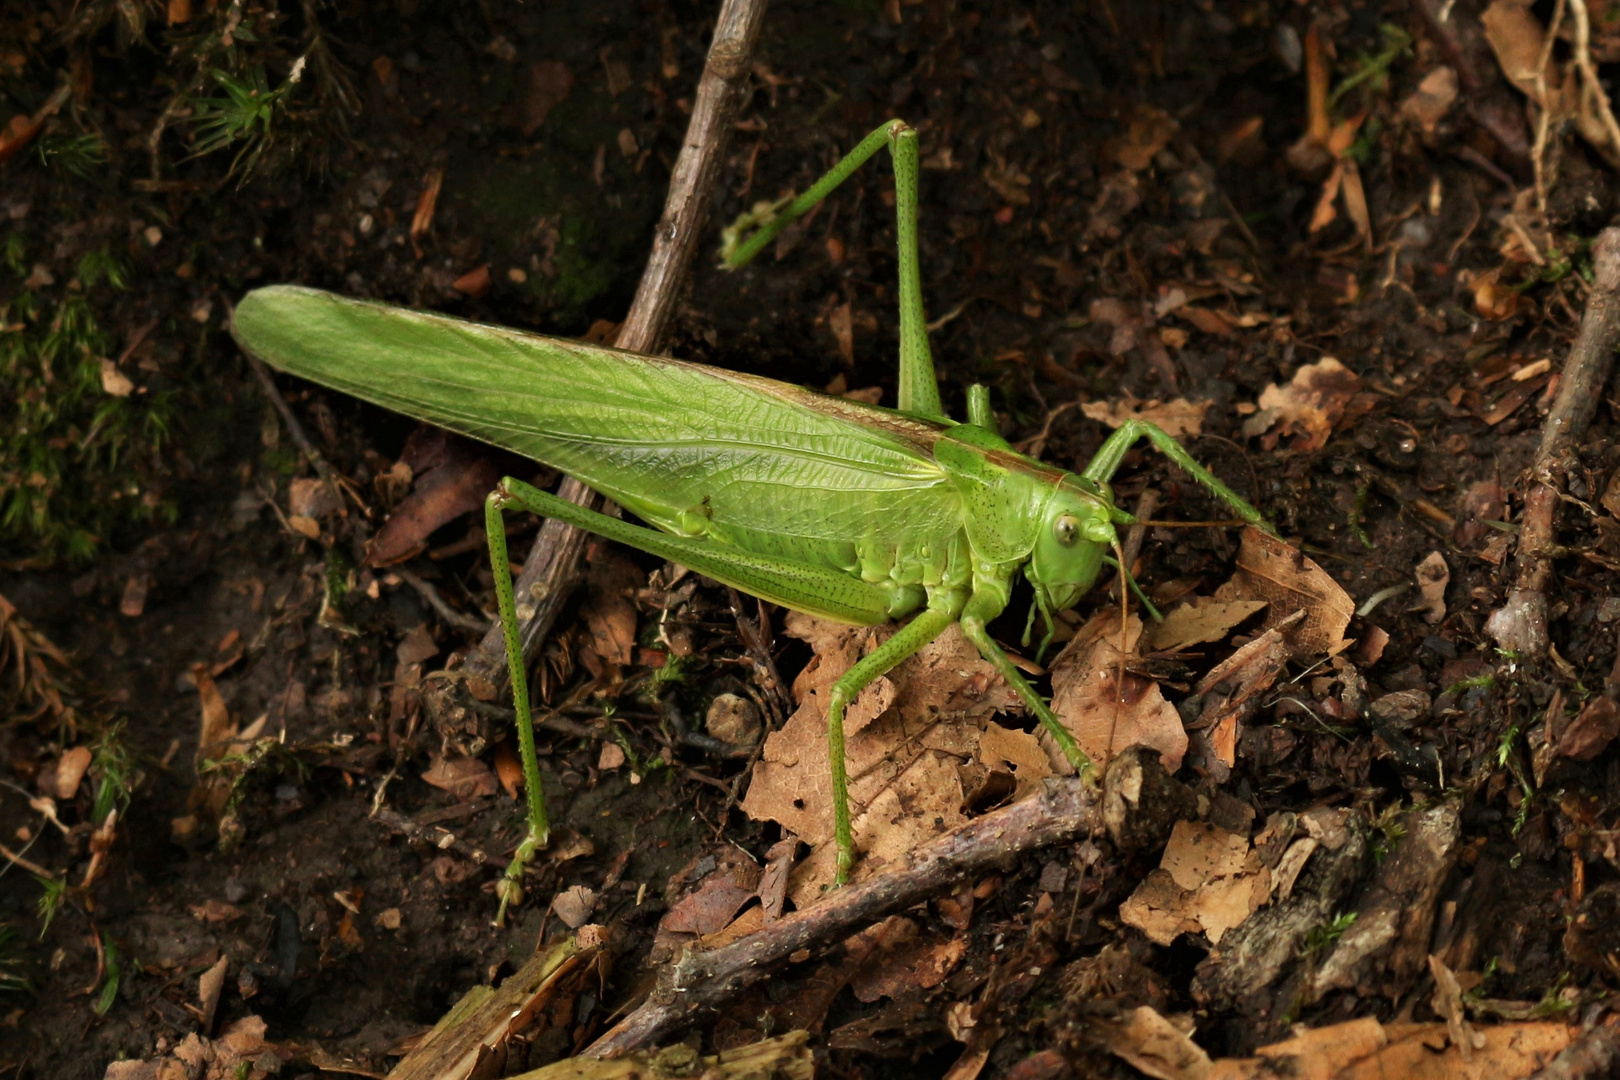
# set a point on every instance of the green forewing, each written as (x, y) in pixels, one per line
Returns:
(774, 469)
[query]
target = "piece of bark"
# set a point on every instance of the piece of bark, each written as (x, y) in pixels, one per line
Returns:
(1257, 967)
(1388, 944)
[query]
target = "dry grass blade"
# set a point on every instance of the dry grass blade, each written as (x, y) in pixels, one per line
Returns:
(33, 661)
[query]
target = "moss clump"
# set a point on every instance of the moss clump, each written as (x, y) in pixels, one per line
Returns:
(78, 440)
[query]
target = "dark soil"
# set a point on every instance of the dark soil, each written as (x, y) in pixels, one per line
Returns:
(1023, 112)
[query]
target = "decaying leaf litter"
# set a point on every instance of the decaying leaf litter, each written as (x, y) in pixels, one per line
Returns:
(1407, 814)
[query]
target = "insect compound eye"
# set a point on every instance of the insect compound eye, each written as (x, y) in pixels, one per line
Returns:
(1067, 530)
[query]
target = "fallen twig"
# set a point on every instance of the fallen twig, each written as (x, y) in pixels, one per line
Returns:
(700, 982)
(1520, 625)
(552, 567)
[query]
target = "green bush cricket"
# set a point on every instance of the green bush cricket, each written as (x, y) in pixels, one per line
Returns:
(839, 509)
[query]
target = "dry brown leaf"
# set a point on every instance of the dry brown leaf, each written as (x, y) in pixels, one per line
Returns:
(711, 907)
(133, 601)
(1355, 202)
(1178, 417)
(452, 477)
(1324, 214)
(1271, 570)
(474, 282)
(1447, 1003)
(841, 321)
(306, 527)
(1108, 712)
(1198, 622)
(114, 382)
(773, 880)
(1207, 320)
(1155, 1046)
(1428, 104)
(609, 612)
(216, 727)
(1231, 691)
(574, 905)
(1517, 37)
(210, 986)
(906, 736)
(1433, 575)
(906, 960)
(465, 778)
(1307, 408)
(1209, 880)
(1366, 1050)
(215, 911)
(1592, 730)
(1494, 300)
(416, 646)
(70, 770)
(1017, 752)
(549, 82)
(312, 497)
(1148, 131)
(1199, 852)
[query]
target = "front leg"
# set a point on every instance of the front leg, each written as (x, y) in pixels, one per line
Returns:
(984, 605)
(913, 636)
(1113, 449)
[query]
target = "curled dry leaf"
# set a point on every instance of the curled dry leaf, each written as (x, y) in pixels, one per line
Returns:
(1307, 408)
(907, 736)
(1592, 730)
(1107, 709)
(1209, 881)
(452, 477)
(1178, 417)
(1433, 575)
(1270, 570)
(1231, 692)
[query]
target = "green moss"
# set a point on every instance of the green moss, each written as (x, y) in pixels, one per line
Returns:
(75, 459)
